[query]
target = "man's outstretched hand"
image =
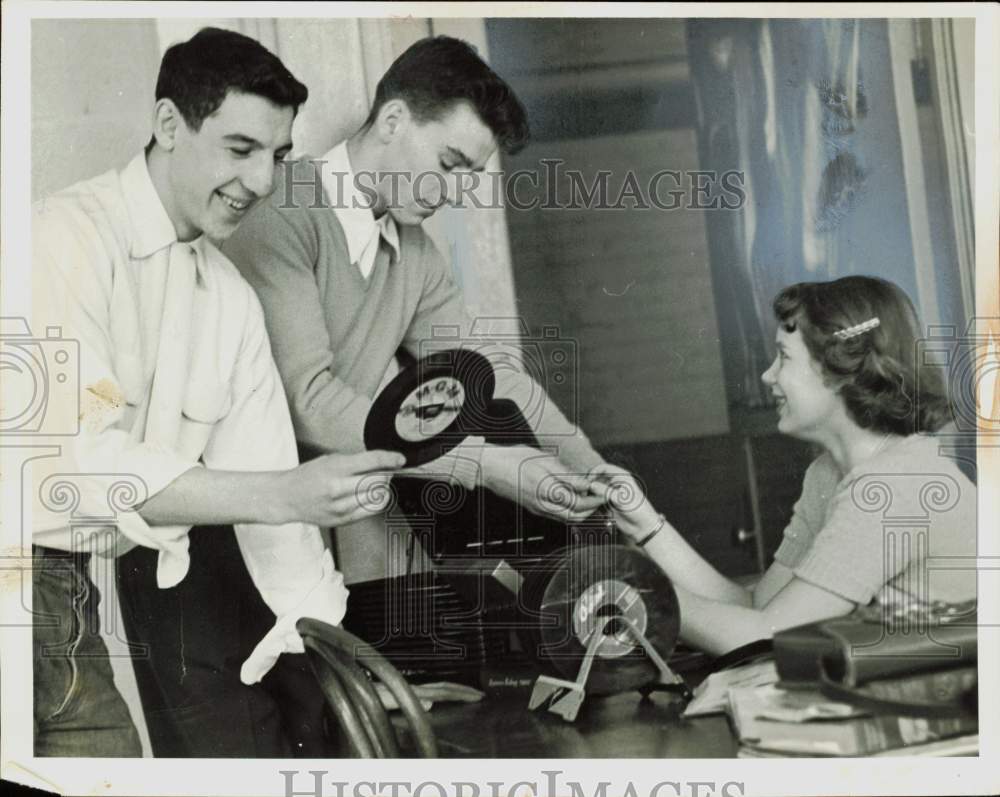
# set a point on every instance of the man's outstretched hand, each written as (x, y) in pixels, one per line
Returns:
(539, 482)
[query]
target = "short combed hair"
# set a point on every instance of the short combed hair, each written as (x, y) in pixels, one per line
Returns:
(199, 73)
(876, 371)
(436, 73)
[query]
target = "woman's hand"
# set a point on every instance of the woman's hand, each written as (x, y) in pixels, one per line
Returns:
(632, 512)
(684, 566)
(539, 482)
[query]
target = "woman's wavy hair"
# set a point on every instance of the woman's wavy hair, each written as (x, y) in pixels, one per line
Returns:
(876, 372)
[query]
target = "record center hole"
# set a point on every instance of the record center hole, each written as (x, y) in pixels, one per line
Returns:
(616, 628)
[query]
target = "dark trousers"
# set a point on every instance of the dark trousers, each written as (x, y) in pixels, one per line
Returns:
(198, 635)
(77, 709)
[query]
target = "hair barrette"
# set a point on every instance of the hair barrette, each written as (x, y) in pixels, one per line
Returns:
(857, 329)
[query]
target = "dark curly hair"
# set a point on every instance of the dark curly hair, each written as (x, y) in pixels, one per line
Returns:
(876, 371)
(199, 73)
(436, 73)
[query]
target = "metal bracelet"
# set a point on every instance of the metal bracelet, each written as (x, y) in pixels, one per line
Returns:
(659, 527)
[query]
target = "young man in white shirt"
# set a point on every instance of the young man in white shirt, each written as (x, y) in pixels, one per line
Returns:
(180, 401)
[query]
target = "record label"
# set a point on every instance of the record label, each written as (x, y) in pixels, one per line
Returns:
(430, 407)
(606, 598)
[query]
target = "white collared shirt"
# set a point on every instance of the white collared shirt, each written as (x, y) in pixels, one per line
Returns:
(100, 263)
(352, 207)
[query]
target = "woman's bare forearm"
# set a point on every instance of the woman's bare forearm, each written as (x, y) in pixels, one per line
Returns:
(686, 567)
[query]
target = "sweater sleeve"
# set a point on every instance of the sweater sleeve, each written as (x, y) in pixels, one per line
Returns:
(441, 321)
(277, 251)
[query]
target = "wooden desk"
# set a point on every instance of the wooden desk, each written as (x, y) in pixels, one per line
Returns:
(619, 726)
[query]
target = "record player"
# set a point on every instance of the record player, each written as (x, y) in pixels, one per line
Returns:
(569, 601)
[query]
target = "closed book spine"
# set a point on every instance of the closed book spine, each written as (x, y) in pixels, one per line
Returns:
(941, 687)
(854, 737)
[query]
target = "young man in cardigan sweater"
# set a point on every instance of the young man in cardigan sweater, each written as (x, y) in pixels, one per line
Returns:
(347, 275)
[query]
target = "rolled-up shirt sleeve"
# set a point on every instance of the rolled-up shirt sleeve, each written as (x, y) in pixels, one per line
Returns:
(288, 563)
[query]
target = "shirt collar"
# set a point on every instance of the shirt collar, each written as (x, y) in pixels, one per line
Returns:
(350, 205)
(150, 227)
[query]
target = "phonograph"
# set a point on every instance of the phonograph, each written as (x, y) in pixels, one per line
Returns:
(573, 605)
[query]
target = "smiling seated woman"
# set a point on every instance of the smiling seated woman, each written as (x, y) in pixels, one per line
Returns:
(845, 378)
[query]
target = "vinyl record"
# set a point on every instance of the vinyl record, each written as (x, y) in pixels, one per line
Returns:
(430, 407)
(574, 596)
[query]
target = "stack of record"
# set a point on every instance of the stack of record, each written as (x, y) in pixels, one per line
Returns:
(434, 626)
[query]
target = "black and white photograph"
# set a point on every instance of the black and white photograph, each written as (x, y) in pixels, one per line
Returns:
(532, 387)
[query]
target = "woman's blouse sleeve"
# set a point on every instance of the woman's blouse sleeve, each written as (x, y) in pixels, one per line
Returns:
(807, 518)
